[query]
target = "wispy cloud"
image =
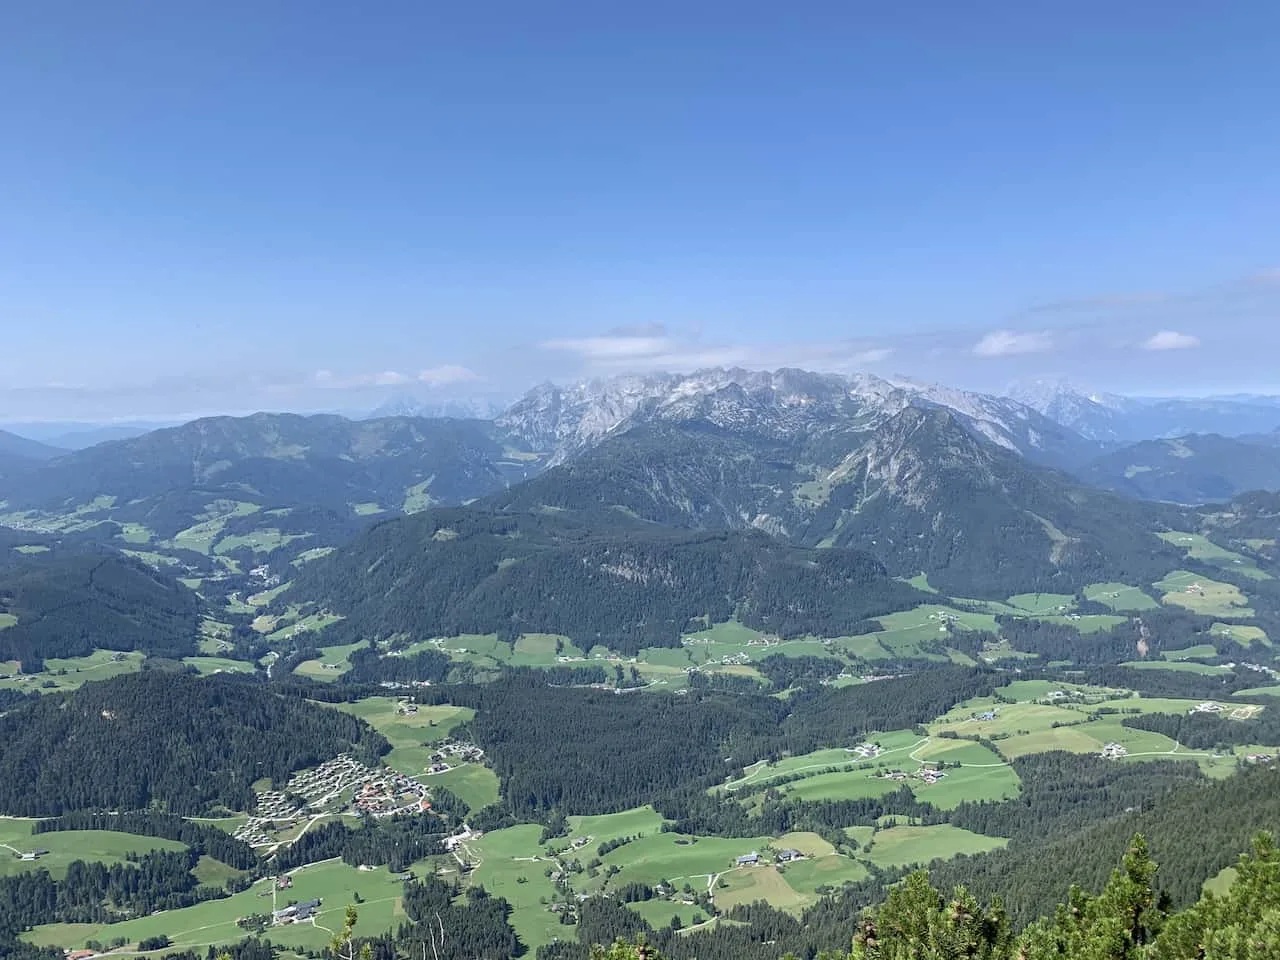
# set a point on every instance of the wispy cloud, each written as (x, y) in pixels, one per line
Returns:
(1170, 340)
(447, 375)
(652, 347)
(1010, 343)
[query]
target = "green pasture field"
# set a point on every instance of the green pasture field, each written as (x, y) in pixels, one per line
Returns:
(315, 553)
(902, 846)
(157, 561)
(1184, 666)
(64, 846)
(895, 745)
(417, 497)
(264, 597)
(508, 864)
(214, 872)
(368, 509)
(7, 620)
(1242, 634)
(476, 785)
(1043, 604)
(214, 921)
(312, 623)
(135, 533)
(921, 582)
(1271, 691)
(763, 882)
(676, 858)
(208, 665)
(410, 736)
(259, 541)
(1120, 597)
(997, 781)
(658, 912)
(99, 665)
(1200, 651)
(332, 663)
(638, 821)
(1209, 598)
(1201, 548)
(927, 624)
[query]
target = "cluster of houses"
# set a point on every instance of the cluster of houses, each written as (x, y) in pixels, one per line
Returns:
(1207, 707)
(867, 751)
(389, 794)
(753, 858)
(29, 855)
(929, 775)
(1114, 751)
(296, 912)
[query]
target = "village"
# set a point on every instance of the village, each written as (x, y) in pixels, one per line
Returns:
(340, 785)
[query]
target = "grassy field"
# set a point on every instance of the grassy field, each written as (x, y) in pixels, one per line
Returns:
(1120, 597)
(1201, 548)
(332, 663)
(1184, 666)
(259, 541)
(1209, 598)
(675, 858)
(983, 775)
(7, 620)
(410, 735)
(1272, 691)
(1200, 651)
(475, 785)
(902, 846)
(894, 744)
(71, 673)
(1241, 633)
(506, 865)
(207, 665)
(1043, 604)
(214, 921)
(65, 846)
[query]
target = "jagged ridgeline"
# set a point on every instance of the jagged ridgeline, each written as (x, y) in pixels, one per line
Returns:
(622, 583)
(920, 491)
(181, 743)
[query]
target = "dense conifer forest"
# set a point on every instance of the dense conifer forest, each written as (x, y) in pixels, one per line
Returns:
(70, 601)
(185, 743)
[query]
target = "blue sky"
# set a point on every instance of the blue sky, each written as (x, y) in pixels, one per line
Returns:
(228, 205)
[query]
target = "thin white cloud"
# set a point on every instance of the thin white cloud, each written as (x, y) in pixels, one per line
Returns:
(447, 375)
(389, 378)
(1170, 340)
(651, 348)
(611, 347)
(1010, 343)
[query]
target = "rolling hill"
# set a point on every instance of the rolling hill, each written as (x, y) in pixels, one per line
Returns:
(170, 740)
(624, 584)
(67, 603)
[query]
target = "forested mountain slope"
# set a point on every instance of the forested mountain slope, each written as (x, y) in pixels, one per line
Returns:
(184, 743)
(920, 491)
(65, 602)
(276, 460)
(622, 583)
(1193, 469)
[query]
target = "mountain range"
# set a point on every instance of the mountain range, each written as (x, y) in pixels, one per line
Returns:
(975, 488)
